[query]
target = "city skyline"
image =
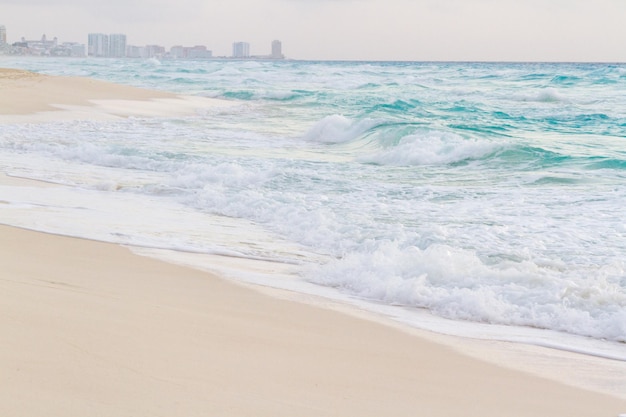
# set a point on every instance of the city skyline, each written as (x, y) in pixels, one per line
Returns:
(115, 46)
(463, 30)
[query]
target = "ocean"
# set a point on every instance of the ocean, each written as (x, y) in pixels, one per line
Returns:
(479, 199)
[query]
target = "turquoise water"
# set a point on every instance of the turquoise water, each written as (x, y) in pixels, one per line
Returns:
(479, 192)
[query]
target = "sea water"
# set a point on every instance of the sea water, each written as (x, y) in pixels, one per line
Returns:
(483, 199)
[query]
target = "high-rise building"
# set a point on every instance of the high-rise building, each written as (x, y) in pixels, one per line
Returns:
(98, 45)
(277, 50)
(117, 45)
(241, 50)
(3, 35)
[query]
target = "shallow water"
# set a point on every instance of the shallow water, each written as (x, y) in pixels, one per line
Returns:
(472, 192)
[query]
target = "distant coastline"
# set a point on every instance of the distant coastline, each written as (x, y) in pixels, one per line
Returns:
(100, 45)
(383, 61)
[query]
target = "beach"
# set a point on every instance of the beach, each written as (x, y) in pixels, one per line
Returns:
(91, 328)
(29, 96)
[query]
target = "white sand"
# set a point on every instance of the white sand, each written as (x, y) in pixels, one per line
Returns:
(29, 97)
(92, 329)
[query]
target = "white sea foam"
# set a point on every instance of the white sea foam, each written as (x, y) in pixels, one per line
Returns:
(338, 129)
(412, 224)
(446, 279)
(430, 148)
(456, 284)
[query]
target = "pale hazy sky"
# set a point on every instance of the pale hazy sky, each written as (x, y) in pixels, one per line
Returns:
(492, 30)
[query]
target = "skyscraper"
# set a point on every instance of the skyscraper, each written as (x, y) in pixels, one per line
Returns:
(117, 45)
(98, 45)
(241, 50)
(3, 35)
(277, 50)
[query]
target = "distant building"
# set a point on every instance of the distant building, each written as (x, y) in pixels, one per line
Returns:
(153, 51)
(145, 52)
(177, 52)
(194, 52)
(277, 50)
(134, 51)
(98, 45)
(40, 47)
(117, 45)
(241, 50)
(68, 49)
(78, 49)
(199, 52)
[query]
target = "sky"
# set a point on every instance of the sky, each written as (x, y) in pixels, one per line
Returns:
(406, 30)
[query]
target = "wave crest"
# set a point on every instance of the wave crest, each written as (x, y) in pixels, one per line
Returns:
(338, 129)
(546, 95)
(431, 148)
(455, 283)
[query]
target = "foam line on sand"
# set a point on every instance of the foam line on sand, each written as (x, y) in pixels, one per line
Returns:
(92, 329)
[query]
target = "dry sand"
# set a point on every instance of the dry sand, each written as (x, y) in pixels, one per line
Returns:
(91, 329)
(30, 97)
(26, 92)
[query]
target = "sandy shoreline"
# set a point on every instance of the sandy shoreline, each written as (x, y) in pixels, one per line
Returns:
(29, 97)
(93, 329)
